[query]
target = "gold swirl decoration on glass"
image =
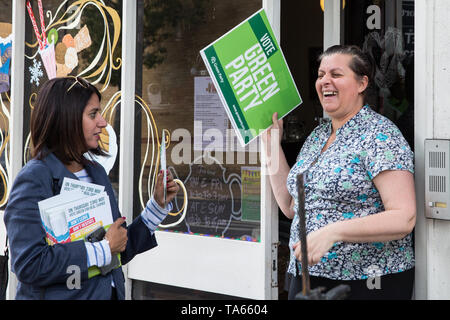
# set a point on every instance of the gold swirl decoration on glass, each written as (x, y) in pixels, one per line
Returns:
(4, 149)
(5, 103)
(68, 16)
(68, 33)
(151, 150)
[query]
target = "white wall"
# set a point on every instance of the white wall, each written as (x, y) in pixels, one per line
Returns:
(432, 115)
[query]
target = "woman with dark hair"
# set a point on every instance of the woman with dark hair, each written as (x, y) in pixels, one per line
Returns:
(65, 127)
(360, 203)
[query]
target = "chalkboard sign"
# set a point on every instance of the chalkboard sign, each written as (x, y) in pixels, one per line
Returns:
(214, 204)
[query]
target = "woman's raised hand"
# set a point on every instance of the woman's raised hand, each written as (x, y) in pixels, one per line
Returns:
(276, 130)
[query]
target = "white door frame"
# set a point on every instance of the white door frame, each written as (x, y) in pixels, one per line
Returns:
(231, 267)
(128, 76)
(16, 109)
(423, 94)
(239, 281)
(331, 23)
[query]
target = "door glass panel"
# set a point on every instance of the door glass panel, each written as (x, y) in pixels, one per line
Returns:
(5, 78)
(83, 39)
(176, 95)
(384, 29)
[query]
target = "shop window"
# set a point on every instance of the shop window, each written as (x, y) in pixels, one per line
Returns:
(5, 80)
(177, 96)
(81, 38)
(384, 29)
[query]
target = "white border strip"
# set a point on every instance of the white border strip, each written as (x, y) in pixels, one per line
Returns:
(269, 206)
(17, 101)
(127, 118)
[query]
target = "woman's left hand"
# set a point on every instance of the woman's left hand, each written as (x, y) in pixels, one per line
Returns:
(172, 189)
(318, 242)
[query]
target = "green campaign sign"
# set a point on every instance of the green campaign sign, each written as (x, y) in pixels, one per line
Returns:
(251, 76)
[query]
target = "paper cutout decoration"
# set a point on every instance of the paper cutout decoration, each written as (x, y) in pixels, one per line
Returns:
(108, 141)
(82, 39)
(48, 57)
(46, 49)
(5, 29)
(53, 36)
(66, 51)
(60, 53)
(68, 40)
(5, 61)
(5, 55)
(71, 58)
(59, 58)
(62, 70)
(36, 72)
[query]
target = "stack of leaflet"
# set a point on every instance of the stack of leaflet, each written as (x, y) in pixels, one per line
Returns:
(80, 208)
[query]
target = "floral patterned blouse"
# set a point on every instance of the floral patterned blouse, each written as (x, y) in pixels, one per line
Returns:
(339, 186)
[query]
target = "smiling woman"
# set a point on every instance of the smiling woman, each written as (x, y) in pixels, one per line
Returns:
(343, 78)
(359, 189)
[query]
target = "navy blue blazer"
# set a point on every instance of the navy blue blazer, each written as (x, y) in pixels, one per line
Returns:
(42, 270)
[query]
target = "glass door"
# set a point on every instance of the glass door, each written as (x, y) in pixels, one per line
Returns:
(217, 240)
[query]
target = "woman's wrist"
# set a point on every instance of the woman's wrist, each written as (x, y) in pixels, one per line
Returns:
(159, 202)
(107, 242)
(334, 231)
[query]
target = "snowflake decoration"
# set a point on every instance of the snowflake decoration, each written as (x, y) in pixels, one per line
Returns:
(36, 72)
